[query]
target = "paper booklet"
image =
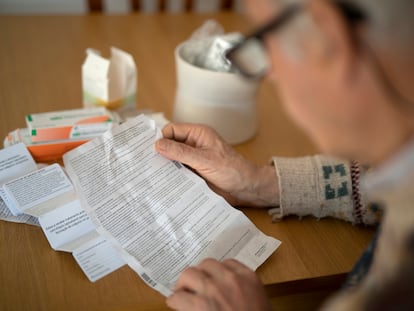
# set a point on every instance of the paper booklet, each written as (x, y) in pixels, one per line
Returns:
(46, 197)
(131, 205)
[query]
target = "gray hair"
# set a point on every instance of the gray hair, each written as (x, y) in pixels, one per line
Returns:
(390, 25)
(390, 21)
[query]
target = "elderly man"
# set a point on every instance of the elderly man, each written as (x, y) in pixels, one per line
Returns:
(345, 72)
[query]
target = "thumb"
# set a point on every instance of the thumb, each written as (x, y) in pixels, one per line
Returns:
(180, 152)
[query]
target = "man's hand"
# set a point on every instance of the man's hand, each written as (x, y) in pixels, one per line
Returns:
(228, 173)
(218, 286)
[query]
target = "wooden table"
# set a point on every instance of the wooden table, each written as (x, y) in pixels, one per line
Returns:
(40, 70)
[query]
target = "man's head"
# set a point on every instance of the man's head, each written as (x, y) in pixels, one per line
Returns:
(349, 85)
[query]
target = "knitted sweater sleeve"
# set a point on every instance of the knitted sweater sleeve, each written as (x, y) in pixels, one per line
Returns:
(322, 187)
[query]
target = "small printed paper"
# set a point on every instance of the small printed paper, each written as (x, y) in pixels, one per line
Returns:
(15, 161)
(5, 214)
(97, 258)
(40, 191)
(65, 225)
(68, 228)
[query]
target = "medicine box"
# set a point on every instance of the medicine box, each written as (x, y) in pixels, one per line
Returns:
(79, 124)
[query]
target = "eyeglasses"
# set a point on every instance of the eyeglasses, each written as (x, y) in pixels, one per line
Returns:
(249, 56)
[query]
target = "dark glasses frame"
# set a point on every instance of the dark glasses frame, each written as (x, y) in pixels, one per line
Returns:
(352, 14)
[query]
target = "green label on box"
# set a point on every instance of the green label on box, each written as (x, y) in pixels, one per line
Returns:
(29, 118)
(34, 133)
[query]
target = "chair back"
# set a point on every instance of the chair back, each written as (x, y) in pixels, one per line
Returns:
(169, 6)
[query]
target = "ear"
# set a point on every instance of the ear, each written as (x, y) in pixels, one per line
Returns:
(335, 47)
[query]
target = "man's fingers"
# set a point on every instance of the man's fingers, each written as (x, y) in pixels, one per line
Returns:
(181, 152)
(183, 132)
(227, 271)
(199, 278)
(184, 300)
(202, 285)
(195, 135)
(236, 266)
(192, 280)
(214, 268)
(241, 270)
(214, 285)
